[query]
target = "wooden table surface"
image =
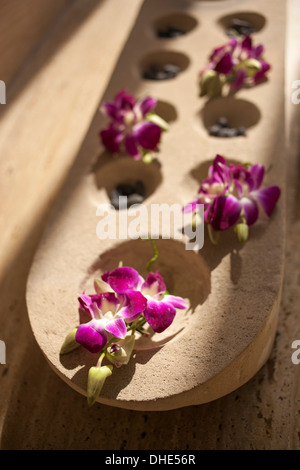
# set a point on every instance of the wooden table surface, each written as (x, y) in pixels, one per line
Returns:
(56, 67)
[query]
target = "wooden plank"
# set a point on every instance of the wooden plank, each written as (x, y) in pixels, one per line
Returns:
(22, 26)
(58, 91)
(48, 110)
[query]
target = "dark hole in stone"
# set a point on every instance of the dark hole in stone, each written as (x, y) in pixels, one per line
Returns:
(135, 194)
(223, 129)
(170, 32)
(240, 27)
(161, 72)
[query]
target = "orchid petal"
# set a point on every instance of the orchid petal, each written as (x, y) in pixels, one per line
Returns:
(109, 109)
(258, 51)
(89, 303)
(159, 315)
(267, 197)
(131, 146)
(238, 187)
(175, 301)
(247, 43)
(134, 304)
(111, 139)
(92, 336)
(251, 210)
(154, 284)
(122, 279)
(265, 67)
(146, 105)
(224, 212)
(257, 172)
(191, 206)
(85, 301)
(148, 134)
(117, 328)
(124, 100)
(225, 65)
(108, 303)
(239, 79)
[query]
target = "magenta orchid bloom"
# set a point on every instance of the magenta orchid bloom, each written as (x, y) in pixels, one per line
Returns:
(123, 303)
(237, 63)
(108, 315)
(132, 125)
(125, 297)
(102, 309)
(160, 308)
(232, 193)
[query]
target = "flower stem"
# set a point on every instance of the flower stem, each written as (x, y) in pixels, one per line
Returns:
(212, 236)
(100, 360)
(155, 256)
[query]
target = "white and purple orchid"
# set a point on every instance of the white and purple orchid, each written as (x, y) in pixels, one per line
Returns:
(159, 308)
(122, 304)
(108, 315)
(231, 195)
(237, 63)
(133, 125)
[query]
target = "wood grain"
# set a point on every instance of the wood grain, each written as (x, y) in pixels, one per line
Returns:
(22, 26)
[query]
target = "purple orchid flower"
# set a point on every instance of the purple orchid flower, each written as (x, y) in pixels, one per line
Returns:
(160, 308)
(232, 193)
(122, 304)
(237, 62)
(131, 126)
(102, 309)
(108, 315)
(125, 298)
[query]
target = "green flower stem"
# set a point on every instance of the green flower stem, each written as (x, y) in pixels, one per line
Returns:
(99, 363)
(155, 256)
(212, 236)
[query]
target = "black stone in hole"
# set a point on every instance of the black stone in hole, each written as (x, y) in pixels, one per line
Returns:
(223, 129)
(240, 27)
(170, 32)
(163, 72)
(135, 194)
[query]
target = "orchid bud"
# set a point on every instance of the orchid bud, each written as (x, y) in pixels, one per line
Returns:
(211, 84)
(70, 343)
(242, 231)
(101, 287)
(119, 353)
(96, 379)
(196, 220)
(252, 67)
(147, 157)
(158, 120)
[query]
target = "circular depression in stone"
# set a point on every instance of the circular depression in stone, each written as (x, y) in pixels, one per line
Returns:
(180, 22)
(238, 112)
(256, 20)
(161, 62)
(112, 171)
(166, 110)
(174, 262)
